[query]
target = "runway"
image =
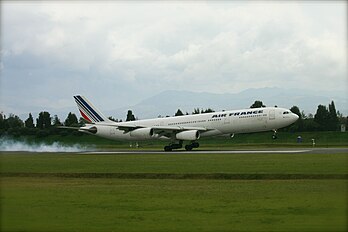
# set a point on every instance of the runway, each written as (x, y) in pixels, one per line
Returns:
(244, 151)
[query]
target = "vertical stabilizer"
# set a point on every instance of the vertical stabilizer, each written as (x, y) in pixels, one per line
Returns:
(88, 111)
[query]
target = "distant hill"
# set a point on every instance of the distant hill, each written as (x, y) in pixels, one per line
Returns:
(167, 102)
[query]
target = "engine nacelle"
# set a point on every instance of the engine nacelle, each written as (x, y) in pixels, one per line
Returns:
(92, 130)
(142, 133)
(190, 135)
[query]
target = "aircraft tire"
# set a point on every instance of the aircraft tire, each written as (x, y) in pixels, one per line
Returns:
(195, 145)
(176, 146)
(168, 148)
(188, 147)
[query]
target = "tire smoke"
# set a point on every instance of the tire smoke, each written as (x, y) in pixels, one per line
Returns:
(7, 144)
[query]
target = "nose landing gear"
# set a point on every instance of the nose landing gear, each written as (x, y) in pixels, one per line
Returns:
(274, 136)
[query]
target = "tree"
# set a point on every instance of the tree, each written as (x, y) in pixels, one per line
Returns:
(196, 111)
(298, 125)
(2, 121)
(130, 116)
(29, 123)
(333, 121)
(71, 120)
(257, 104)
(56, 121)
(179, 113)
(296, 110)
(209, 110)
(13, 125)
(13, 121)
(82, 121)
(322, 117)
(310, 125)
(44, 120)
(303, 115)
(113, 119)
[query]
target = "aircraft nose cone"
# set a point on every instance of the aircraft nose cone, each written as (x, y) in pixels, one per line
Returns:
(295, 117)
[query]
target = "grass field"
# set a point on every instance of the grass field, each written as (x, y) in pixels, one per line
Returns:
(299, 163)
(54, 192)
(51, 204)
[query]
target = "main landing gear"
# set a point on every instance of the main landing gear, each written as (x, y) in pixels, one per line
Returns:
(172, 146)
(188, 147)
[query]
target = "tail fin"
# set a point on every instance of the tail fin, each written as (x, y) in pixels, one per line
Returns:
(88, 111)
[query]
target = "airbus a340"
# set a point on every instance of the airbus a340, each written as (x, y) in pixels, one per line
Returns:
(188, 128)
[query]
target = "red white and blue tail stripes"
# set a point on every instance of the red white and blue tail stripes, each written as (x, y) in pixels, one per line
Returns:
(88, 111)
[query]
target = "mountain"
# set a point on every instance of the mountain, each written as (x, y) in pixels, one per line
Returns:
(167, 102)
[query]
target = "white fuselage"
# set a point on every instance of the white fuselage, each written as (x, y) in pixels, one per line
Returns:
(215, 124)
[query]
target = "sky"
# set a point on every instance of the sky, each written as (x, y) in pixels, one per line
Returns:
(119, 53)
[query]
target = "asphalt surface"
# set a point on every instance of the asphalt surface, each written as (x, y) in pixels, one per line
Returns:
(243, 151)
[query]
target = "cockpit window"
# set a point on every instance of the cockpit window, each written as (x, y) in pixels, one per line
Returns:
(286, 112)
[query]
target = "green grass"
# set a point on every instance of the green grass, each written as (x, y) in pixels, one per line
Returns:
(299, 163)
(40, 192)
(58, 204)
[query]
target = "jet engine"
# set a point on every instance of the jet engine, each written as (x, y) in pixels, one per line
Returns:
(92, 130)
(190, 135)
(142, 133)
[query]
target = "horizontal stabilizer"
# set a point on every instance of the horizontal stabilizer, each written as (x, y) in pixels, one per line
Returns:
(68, 127)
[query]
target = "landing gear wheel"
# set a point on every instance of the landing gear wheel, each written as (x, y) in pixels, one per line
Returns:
(188, 147)
(173, 146)
(195, 145)
(168, 148)
(274, 136)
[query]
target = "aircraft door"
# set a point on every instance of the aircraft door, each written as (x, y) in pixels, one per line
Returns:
(271, 114)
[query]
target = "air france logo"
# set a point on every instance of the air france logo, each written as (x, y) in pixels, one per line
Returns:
(238, 113)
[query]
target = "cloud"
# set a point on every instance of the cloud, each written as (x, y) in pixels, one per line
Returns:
(129, 50)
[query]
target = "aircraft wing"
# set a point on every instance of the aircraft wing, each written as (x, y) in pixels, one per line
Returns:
(128, 128)
(168, 131)
(160, 130)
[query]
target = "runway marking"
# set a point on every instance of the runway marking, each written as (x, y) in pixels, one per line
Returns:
(199, 152)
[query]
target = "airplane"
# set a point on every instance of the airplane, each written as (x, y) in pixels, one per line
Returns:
(188, 128)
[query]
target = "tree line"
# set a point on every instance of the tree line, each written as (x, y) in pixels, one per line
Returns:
(325, 119)
(45, 124)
